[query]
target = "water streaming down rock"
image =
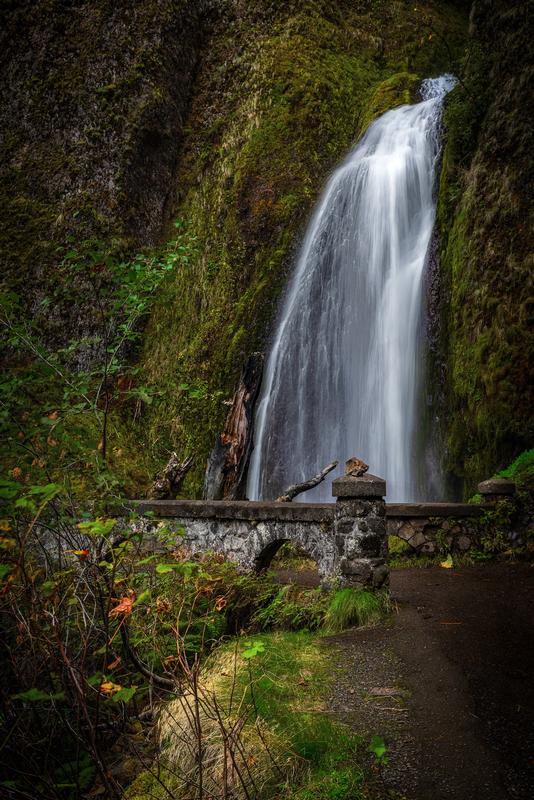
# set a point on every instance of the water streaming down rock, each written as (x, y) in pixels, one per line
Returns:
(344, 373)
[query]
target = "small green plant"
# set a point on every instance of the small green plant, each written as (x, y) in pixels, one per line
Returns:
(378, 748)
(524, 460)
(292, 608)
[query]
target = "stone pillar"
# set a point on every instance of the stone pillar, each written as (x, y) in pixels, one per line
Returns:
(496, 489)
(360, 531)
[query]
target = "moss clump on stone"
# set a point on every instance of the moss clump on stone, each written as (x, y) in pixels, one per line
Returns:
(398, 90)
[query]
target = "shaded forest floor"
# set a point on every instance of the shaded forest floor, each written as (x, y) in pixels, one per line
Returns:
(448, 684)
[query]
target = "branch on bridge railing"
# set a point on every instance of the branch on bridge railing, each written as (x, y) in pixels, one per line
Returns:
(298, 488)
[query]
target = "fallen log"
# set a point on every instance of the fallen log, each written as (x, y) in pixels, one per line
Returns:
(298, 488)
(166, 485)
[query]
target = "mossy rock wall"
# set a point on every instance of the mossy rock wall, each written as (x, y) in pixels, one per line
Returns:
(282, 92)
(485, 368)
(93, 98)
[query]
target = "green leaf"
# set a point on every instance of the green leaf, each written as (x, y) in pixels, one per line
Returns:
(9, 491)
(23, 502)
(378, 747)
(47, 492)
(143, 597)
(97, 527)
(253, 650)
(163, 569)
(125, 694)
(5, 569)
(36, 695)
(147, 560)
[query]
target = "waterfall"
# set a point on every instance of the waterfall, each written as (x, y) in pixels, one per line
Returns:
(344, 375)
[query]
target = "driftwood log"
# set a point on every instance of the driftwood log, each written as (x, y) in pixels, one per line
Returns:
(227, 464)
(298, 488)
(166, 485)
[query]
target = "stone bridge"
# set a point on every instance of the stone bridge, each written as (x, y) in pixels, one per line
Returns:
(347, 539)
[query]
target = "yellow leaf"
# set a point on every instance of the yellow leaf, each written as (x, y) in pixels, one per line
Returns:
(448, 563)
(108, 687)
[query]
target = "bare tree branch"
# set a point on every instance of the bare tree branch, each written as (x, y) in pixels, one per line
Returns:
(298, 488)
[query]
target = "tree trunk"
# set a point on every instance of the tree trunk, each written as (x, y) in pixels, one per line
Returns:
(228, 462)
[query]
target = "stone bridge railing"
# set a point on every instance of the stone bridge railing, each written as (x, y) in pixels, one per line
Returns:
(347, 539)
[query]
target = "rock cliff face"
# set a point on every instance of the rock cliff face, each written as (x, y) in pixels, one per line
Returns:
(117, 119)
(93, 100)
(485, 215)
(281, 93)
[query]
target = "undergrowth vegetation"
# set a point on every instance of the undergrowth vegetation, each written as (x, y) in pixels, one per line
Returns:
(348, 608)
(73, 414)
(102, 624)
(269, 693)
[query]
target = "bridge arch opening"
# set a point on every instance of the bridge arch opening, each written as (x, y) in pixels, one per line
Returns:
(290, 562)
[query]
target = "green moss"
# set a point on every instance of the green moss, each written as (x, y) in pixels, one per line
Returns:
(397, 90)
(397, 546)
(486, 339)
(521, 466)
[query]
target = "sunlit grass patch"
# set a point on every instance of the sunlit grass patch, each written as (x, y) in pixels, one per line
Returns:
(264, 727)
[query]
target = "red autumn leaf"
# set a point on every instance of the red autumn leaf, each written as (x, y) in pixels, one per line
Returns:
(125, 606)
(82, 554)
(114, 663)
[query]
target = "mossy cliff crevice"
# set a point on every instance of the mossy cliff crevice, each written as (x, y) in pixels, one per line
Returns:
(484, 214)
(282, 92)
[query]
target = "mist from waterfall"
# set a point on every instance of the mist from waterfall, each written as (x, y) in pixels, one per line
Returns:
(344, 376)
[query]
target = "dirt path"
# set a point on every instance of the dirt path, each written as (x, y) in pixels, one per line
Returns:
(450, 684)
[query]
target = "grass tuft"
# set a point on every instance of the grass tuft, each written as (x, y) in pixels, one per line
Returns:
(350, 607)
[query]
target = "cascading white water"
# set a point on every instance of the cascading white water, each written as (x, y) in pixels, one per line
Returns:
(343, 373)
